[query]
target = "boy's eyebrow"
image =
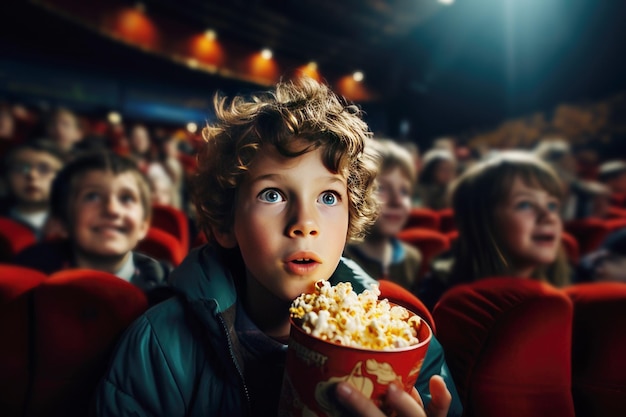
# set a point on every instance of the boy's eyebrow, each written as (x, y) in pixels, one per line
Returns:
(331, 178)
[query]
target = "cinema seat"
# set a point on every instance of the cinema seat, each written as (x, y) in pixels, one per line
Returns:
(16, 285)
(446, 220)
(598, 344)
(507, 343)
(430, 243)
(173, 221)
(79, 315)
(424, 218)
(589, 233)
(162, 246)
(14, 237)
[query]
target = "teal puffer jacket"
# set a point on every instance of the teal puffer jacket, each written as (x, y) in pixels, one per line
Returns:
(181, 357)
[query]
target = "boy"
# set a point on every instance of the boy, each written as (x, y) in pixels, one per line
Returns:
(64, 128)
(29, 171)
(381, 254)
(102, 203)
(282, 182)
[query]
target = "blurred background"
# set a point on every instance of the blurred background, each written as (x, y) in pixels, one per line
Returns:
(503, 73)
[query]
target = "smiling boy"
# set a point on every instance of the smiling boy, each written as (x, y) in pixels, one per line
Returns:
(282, 183)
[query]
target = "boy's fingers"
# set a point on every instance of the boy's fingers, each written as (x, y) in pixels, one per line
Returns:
(440, 397)
(356, 402)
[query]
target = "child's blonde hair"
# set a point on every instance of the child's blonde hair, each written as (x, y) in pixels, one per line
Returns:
(302, 109)
(393, 155)
(475, 196)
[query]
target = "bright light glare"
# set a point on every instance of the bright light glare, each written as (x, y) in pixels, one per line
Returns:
(210, 34)
(358, 76)
(114, 118)
(266, 53)
(192, 127)
(446, 2)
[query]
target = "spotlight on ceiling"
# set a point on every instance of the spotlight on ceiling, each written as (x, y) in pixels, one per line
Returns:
(266, 53)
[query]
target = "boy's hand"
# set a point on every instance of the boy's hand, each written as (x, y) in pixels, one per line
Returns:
(403, 404)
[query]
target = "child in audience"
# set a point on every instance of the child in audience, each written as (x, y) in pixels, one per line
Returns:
(63, 127)
(507, 215)
(613, 175)
(381, 254)
(29, 171)
(438, 171)
(282, 182)
(102, 203)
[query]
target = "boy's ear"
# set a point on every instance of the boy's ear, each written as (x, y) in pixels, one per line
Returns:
(226, 240)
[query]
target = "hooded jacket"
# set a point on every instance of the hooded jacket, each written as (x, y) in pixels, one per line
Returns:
(182, 357)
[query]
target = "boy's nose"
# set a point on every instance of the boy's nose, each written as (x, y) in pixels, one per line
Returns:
(111, 205)
(303, 224)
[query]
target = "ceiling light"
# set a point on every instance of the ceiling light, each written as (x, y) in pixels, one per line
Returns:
(446, 2)
(266, 53)
(114, 118)
(210, 34)
(358, 76)
(192, 127)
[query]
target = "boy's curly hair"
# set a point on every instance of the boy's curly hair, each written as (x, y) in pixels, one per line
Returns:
(302, 109)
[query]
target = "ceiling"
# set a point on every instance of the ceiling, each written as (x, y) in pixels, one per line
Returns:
(445, 69)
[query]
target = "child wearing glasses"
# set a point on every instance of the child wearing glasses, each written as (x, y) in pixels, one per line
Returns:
(29, 170)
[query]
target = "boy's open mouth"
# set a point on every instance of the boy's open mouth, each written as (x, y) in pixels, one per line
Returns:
(303, 261)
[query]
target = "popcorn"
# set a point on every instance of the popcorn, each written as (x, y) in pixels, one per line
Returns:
(339, 315)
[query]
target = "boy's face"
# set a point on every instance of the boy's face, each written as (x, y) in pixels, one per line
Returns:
(107, 213)
(291, 221)
(30, 175)
(394, 189)
(528, 226)
(65, 130)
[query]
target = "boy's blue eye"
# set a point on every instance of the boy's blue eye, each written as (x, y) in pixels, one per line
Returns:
(270, 196)
(523, 205)
(127, 198)
(553, 206)
(328, 198)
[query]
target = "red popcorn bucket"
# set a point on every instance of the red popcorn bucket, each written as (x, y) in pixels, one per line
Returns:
(314, 366)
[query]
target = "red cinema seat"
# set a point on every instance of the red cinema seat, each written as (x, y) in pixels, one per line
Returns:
(173, 221)
(598, 345)
(507, 343)
(14, 237)
(589, 233)
(429, 242)
(16, 285)
(424, 218)
(79, 316)
(397, 294)
(162, 246)
(446, 220)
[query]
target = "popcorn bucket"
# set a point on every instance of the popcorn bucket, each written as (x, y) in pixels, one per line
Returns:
(314, 366)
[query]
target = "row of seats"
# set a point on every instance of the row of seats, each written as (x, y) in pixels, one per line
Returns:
(58, 332)
(432, 242)
(588, 233)
(514, 347)
(524, 348)
(168, 238)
